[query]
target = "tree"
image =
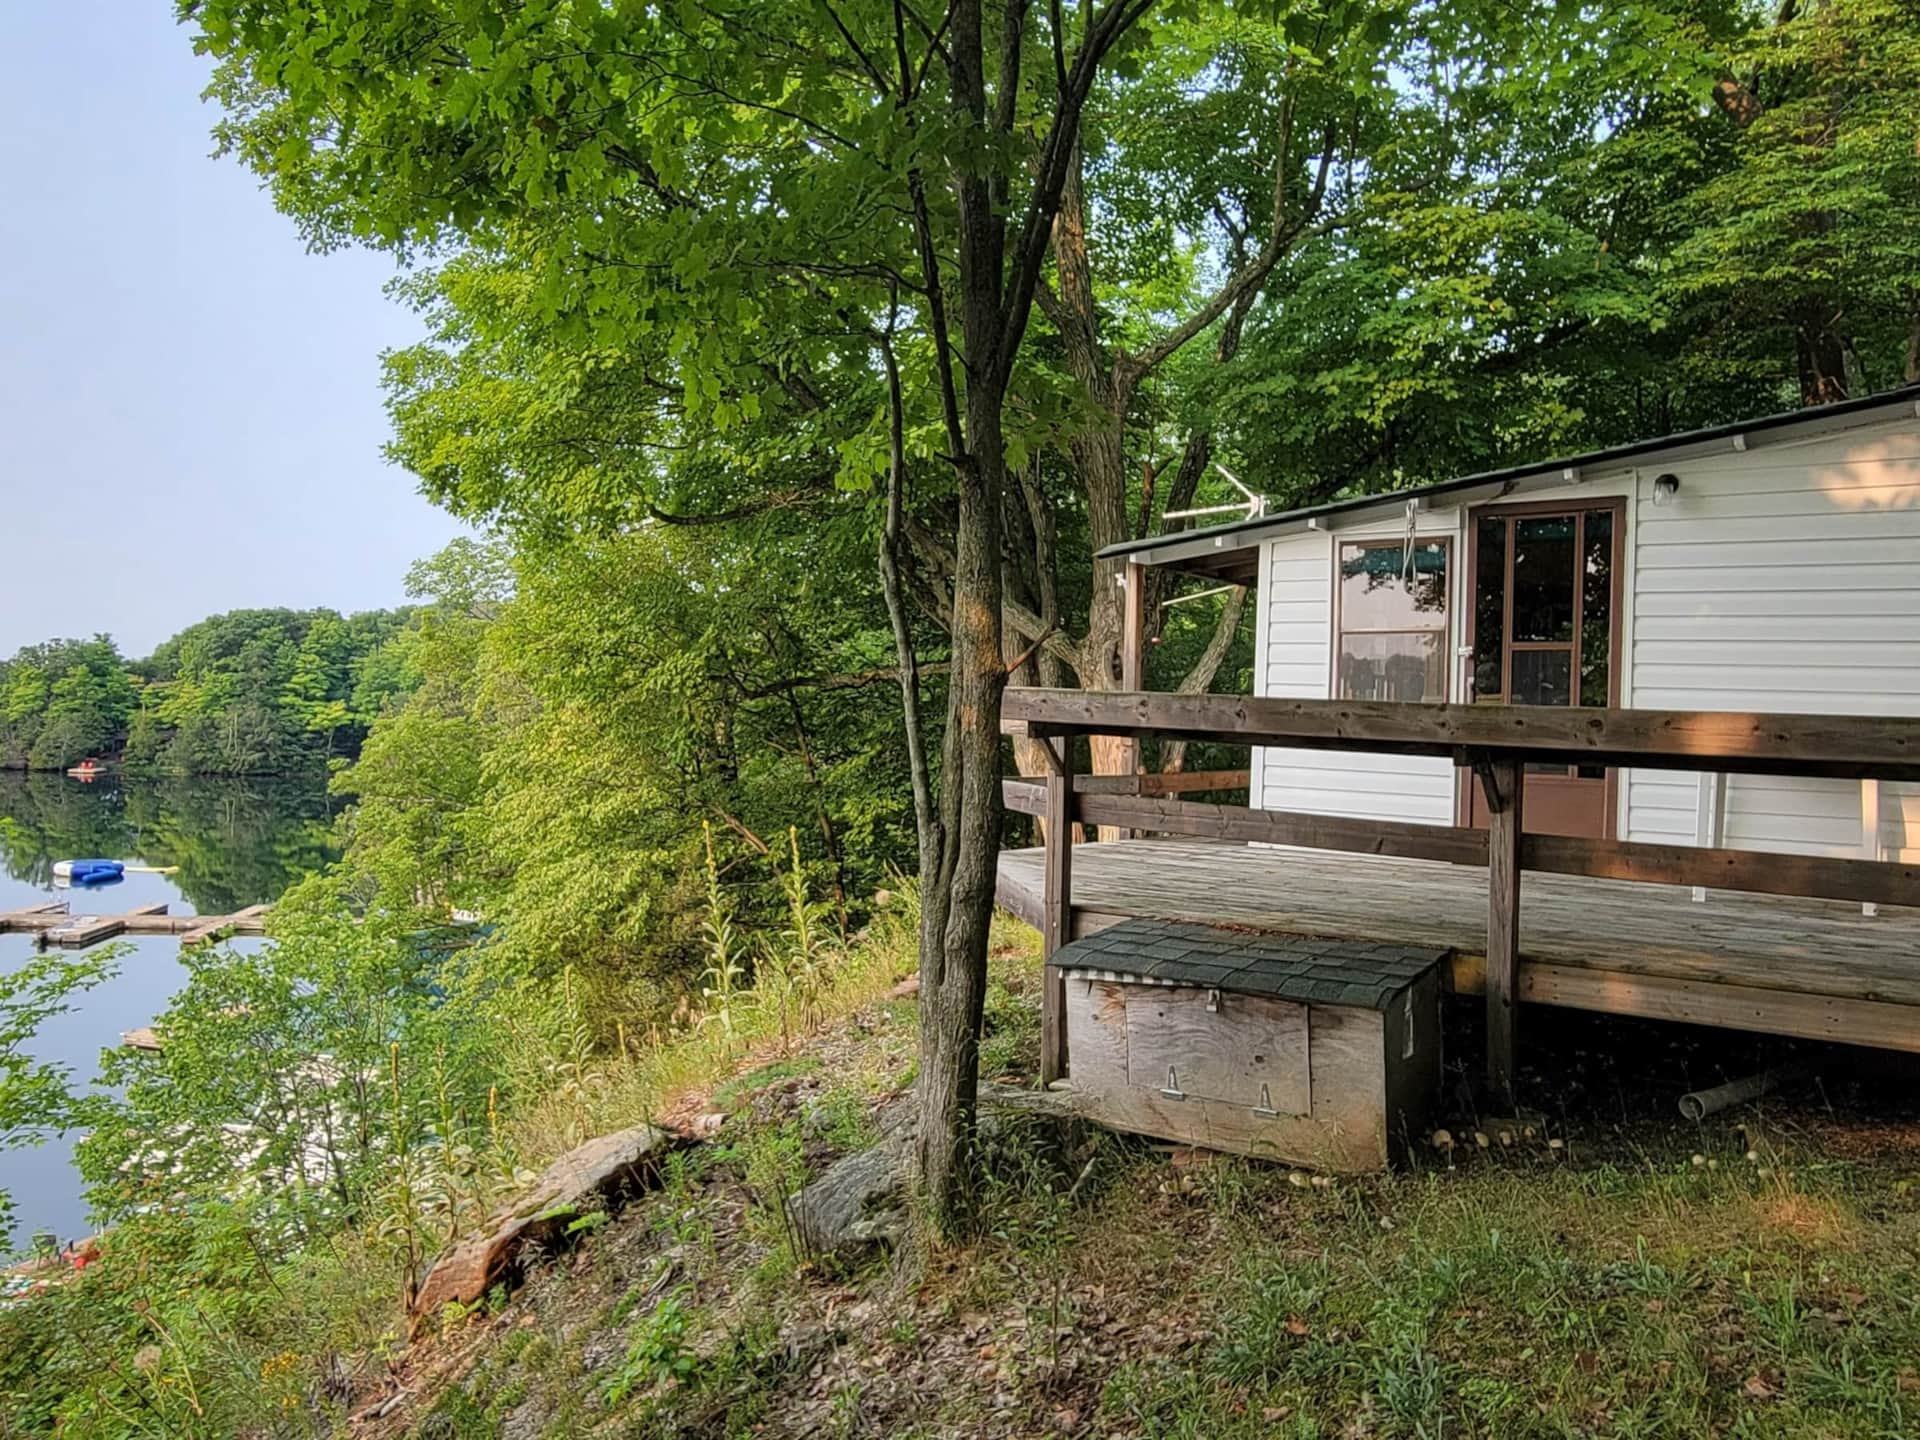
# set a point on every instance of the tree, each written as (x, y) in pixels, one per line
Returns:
(269, 1079)
(63, 701)
(753, 197)
(1806, 238)
(1235, 137)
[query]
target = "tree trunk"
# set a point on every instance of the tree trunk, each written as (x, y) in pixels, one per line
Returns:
(957, 904)
(957, 901)
(1099, 461)
(1822, 354)
(996, 287)
(1197, 681)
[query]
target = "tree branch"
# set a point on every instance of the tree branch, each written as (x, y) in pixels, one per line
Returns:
(927, 826)
(1249, 277)
(1056, 151)
(1198, 680)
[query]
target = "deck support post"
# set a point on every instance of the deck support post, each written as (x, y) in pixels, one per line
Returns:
(1056, 908)
(1504, 780)
(1133, 644)
(1710, 818)
(1869, 832)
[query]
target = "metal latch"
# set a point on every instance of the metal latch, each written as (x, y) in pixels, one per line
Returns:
(1213, 1002)
(1172, 1088)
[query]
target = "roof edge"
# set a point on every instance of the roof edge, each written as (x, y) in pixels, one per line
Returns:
(1245, 532)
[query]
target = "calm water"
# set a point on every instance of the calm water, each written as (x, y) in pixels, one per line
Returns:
(236, 843)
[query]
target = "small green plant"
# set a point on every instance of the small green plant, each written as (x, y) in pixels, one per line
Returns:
(401, 1220)
(800, 958)
(720, 983)
(682, 1216)
(573, 1073)
(588, 1223)
(775, 1167)
(659, 1354)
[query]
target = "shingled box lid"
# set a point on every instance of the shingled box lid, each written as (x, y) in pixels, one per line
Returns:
(1314, 1051)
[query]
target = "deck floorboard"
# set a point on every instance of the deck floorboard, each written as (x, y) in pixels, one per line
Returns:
(1632, 932)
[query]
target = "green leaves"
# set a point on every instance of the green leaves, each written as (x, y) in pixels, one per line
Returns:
(36, 1096)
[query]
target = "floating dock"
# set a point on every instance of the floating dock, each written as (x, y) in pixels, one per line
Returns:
(52, 923)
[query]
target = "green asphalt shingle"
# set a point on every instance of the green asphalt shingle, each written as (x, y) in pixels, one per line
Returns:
(1358, 974)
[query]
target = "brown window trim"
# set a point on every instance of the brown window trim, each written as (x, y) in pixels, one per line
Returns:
(1444, 628)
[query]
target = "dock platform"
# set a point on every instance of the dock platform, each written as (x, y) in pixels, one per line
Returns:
(52, 922)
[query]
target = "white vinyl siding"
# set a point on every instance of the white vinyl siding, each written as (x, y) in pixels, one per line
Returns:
(1786, 578)
(1296, 579)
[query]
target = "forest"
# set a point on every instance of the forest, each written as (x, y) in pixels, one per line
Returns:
(253, 692)
(796, 359)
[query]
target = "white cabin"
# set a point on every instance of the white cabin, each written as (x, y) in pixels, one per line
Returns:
(1768, 566)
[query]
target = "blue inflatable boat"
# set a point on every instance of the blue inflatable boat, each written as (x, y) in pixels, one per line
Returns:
(88, 872)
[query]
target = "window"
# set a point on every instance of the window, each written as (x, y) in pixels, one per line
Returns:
(1392, 640)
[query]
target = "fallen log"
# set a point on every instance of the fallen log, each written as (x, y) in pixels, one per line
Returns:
(593, 1176)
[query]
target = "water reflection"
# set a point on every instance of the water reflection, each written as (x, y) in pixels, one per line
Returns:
(237, 842)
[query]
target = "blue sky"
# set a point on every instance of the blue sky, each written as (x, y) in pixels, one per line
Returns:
(190, 408)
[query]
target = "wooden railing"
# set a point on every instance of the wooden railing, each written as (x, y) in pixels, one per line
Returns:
(1496, 743)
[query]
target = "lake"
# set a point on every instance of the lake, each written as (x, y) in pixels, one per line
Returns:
(235, 843)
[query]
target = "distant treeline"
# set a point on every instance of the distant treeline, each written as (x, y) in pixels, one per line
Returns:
(252, 692)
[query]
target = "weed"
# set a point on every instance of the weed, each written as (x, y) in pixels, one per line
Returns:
(722, 981)
(659, 1353)
(773, 1163)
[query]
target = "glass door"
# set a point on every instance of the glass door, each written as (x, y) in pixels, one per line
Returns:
(1543, 631)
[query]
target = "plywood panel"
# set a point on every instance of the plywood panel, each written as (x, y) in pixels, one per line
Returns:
(1248, 1050)
(1345, 1131)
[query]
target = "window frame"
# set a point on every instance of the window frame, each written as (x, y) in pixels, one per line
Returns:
(1444, 629)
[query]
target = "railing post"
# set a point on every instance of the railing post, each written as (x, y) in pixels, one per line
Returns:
(1133, 656)
(1056, 906)
(1504, 781)
(1133, 643)
(1869, 832)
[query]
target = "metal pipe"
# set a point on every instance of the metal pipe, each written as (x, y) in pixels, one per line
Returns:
(1197, 595)
(1698, 1104)
(1208, 510)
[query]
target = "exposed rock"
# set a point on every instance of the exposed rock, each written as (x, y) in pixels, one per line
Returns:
(592, 1176)
(858, 1204)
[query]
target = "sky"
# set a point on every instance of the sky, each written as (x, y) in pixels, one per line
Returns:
(190, 405)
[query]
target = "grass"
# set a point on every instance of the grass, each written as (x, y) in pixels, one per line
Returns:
(1751, 1277)
(1540, 1302)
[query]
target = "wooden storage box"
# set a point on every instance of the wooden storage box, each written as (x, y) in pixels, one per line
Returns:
(1323, 1053)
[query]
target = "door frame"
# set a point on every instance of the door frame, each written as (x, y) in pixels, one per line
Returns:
(1470, 579)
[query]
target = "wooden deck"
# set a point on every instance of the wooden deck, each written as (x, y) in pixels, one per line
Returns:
(1810, 968)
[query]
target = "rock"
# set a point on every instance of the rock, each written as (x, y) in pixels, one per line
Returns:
(858, 1204)
(592, 1176)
